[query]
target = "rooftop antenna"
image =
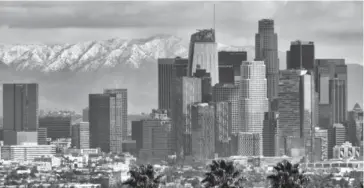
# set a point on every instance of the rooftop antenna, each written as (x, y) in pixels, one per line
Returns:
(214, 18)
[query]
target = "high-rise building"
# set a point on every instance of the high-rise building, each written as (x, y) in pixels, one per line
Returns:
(229, 66)
(270, 124)
(223, 122)
(336, 136)
(337, 100)
(355, 125)
(85, 115)
(203, 52)
(266, 49)
(42, 136)
(301, 55)
(203, 131)
(206, 89)
(323, 135)
(157, 137)
(104, 133)
(186, 91)
(296, 107)
(121, 109)
(229, 93)
(253, 98)
(137, 134)
(58, 126)
(81, 135)
(20, 104)
(249, 144)
(168, 70)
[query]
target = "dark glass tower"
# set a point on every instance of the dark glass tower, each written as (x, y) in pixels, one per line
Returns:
(301, 55)
(229, 66)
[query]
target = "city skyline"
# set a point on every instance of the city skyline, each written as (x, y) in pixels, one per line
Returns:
(337, 33)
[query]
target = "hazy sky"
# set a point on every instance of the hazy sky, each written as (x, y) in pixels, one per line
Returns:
(335, 27)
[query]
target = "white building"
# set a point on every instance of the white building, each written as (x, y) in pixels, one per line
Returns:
(26, 152)
(346, 151)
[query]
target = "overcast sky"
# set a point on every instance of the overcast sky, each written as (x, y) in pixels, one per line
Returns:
(335, 27)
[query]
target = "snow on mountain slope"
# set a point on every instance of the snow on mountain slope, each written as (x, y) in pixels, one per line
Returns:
(92, 55)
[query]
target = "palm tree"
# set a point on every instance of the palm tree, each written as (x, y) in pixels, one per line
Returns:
(223, 175)
(143, 177)
(321, 181)
(287, 176)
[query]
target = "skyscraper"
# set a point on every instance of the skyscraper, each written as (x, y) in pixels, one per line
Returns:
(85, 115)
(223, 120)
(296, 107)
(270, 124)
(81, 135)
(186, 91)
(203, 52)
(168, 70)
(229, 66)
(337, 100)
(104, 132)
(301, 55)
(253, 97)
(58, 126)
(249, 144)
(20, 104)
(206, 88)
(336, 136)
(203, 131)
(266, 49)
(229, 93)
(121, 107)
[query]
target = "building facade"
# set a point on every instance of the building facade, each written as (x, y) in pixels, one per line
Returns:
(42, 136)
(26, 152)
(104, 133)
(301, 55)
(203, 131)
(253, 99)
(186, 91)
(270, 124)
(58, 126)
(121, 110)
(85, 115)
(203, 51)
(229, 93)
(323, 135)
(249, 144)
(81, 135)
(346, 151)
(337, 136)
(223, 125)
(337, 100)
(229, 66)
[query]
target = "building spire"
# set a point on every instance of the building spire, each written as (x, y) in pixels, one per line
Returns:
(214, 18)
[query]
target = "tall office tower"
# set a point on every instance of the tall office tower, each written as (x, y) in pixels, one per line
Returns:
(253, 97)
(186, 91)
(355, 125)
(229, 93)
(157, 137)
(223, 123)
(42, 136)
(301, 55)
(270, 124)
(249, 144)
(266, 49)
(104, 132)
(206, 88)
(203, 131)
(85, 115)
(326, 70)
(58, 126)
(229, 66)
(337, 100)
(20, 104)
(323, 135)
(203, 52)
(296, 107)
(121, 107)
(81, 135)
(168, 70)
(165, 70)
(336, 137)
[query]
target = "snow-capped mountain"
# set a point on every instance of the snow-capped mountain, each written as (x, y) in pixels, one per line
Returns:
(92, 55)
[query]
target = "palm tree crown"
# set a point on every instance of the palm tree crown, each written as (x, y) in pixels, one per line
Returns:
(287, 176)
(143, 177)
(222, 174)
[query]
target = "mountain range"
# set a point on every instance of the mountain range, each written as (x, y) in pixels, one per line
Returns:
(67, 73)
